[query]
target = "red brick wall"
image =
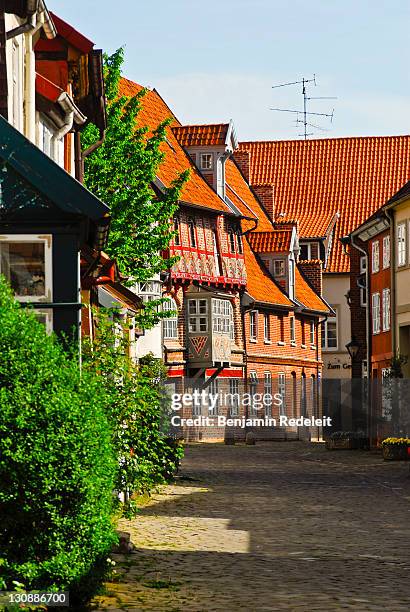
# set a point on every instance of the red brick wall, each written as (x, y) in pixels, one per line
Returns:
(242, 158)
(313, 271)
(381, 344)
(265, 194)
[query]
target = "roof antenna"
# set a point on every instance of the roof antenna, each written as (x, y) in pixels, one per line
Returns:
(305, 112)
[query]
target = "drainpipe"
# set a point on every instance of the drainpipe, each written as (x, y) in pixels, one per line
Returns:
(81, 155)
(368, 338)
(34, 22)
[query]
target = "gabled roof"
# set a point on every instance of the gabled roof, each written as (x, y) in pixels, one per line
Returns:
(260, 284)
(314, 179)
(210, 135)
(71, 35)
(275, 241)
(154, 110)
(46, 176)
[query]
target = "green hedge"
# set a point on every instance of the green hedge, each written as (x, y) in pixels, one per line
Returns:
(57, 464)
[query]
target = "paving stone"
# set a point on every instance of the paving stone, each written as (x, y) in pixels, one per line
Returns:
(276, 526)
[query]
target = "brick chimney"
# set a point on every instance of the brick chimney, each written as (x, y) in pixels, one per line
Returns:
(265, 194)
(243, 159)
(312, 269)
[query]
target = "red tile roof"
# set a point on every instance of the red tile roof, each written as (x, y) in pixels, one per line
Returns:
(243, 197)
(154, 110)
(260, 285)
(315, 179)
(306, 295)
(201, 135)
(270, 242)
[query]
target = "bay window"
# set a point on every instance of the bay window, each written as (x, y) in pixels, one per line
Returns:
(197, 315)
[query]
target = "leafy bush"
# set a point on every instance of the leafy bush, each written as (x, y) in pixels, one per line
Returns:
(147, 456)
(57, 465)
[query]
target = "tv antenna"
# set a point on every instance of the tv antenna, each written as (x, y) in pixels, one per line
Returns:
(305, 113)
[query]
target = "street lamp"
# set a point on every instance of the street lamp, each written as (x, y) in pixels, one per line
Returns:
(353, 348)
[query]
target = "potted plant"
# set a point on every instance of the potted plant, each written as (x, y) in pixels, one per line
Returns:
(396, 449)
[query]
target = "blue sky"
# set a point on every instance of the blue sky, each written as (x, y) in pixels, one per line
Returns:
(215, 60)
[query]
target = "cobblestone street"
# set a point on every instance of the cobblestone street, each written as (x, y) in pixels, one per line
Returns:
(277, 526)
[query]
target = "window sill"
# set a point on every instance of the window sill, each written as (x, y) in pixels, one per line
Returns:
(267, 342)
(280, 343)
(293, 343)
(303, 346)
(253, 340)
(313, 347)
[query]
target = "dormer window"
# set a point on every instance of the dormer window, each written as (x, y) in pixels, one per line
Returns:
(206, 161)
(279, 267)
(192, 232)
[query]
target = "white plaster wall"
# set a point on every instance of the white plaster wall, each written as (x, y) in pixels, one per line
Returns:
(335, 287)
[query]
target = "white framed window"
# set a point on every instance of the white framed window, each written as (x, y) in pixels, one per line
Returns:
(279, 268)
(239, 243)
(292, 324)
(401, 244)
(233, 398)
(375, 256)
(216, 253)
(197, 315)
(376, 313)
(363, 264)
(206, 161)
(312, 333)
(330, 334)
(192, 232)
(26, 262)
(267, 391)
(313, 393)
(149, 290)
(222, 317)
(231, 236)
(266, 327)
(386, 309)
(16, 102)
(386, 252)
(253, 325)
(282, 391)
(363, 296)
(213, 390)
(253, 388)
(170, 325)
(45, 316)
